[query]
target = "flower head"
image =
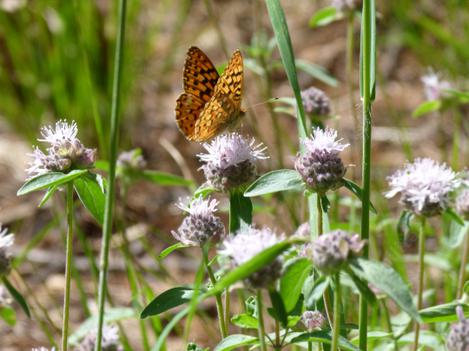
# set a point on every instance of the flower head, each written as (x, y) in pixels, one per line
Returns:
(132, 159)
(303, 231)
(458, 338)
(109, 342)
(332, 250)
(319, 164)
(424, 185)
(247, 243)
(64, 152)
(462, 203)
(230, 161)
(312, 320)
(316, 102)
(201, 224)
(6, 241)
(346, 5)
(434, 88)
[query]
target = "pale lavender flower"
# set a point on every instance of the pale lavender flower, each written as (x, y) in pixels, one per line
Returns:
(6, 241)
(312, 320)
(346, 5)
(42, 348)
(110, 340)
(462, 204)
(201, 224)
(132, 159)
(434, 87)
(316, 102)
(424, 186)
(303, 231)
(64, 152)
(320, 164)
(332, 250)
(458, 338)
(243, 245)
(230, 160)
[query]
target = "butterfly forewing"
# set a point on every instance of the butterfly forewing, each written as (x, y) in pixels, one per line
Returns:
(224, 107)
(210, 103)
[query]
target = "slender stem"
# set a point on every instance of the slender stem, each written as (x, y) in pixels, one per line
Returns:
(366, 157)
(421, 276)
(387, 318)
(462, 269)
(456, 139)
(277, 335)
(227, 309)
(260, 317)
(319, 209)
(336, 327)
(111, 191)
(310, 346)
(68, 265)
(213, 280)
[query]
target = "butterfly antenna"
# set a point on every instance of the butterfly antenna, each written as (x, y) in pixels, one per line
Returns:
(262, 103)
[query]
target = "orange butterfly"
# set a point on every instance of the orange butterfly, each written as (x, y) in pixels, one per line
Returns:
(210, 103)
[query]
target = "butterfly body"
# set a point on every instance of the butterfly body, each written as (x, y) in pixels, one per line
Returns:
(210, 103)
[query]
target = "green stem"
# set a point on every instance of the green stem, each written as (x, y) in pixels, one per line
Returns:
(68, 265)
(421, 276)
(367, 16)
(219, 303)
(261, 329)
(111, 191)
(387, 318)
(310, 346)
(319, 209)
(456, 139)
(336, 326)
(462, 269)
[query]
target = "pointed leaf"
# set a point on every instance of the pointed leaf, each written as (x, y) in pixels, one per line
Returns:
(324, 16)
(245, 321)
(167, 300)
(235, 341)
(165, 179)
(324, 336)
(426, 108)
(17, 296)
(90, 190)
(170, 249)
(240, 211)
(50, 179)
(278, 308)
(275, 181)
(292, 280)
(357, 191)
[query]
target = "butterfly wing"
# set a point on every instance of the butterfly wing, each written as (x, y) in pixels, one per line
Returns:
(224, 106)
(200, 79)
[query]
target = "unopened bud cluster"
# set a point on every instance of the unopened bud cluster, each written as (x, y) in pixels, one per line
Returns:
(312, 320)
(132, 159)
(65, 151)
(316, 102)
(458, 338)
(319, 164)
(331, 251)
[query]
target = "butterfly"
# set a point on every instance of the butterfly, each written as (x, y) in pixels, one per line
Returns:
(210, 103)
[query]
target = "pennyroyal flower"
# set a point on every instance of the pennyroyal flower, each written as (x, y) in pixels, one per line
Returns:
(230, 161)
(247, 243)
(200, 224)
(316, 102)
(332, 250)
(320, 164)
(462, 203)
(64, 152)
(6, 241)
(434, 87)
(312, 320)
(458, 338)
(424, 185)
(110, 340)
(132, 159)
(346, 5)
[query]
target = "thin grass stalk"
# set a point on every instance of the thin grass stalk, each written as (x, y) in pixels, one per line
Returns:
(261, 328)
(68, 265)
(421, 276)
(218, 300)
(336, 325)
(111, 191)
(387, 318)
(366, 157)
(462, 269)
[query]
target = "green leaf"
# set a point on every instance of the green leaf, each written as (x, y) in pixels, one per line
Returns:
(403, 226)
(51, 191)
(165, 179)
(313, 290)
(90, 190)
(443, 313)
(245, 321)
(453, 216)
(170, 249)
(426, 108)
(50, 179)
(324, 336)
(357, 191)
(8, 314)
(292, 280)
(282, 36)
(253, 265)
(324, 16)
(167, 300)
(161, 340)
(362, 286)
(389, 281)
(111, 315)
(17, 296)
(204, 190)
(235, 341)
(240, 211)
(278, 308)
(317, 72)
(457, 233)
(275, 181)
(462, 96)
